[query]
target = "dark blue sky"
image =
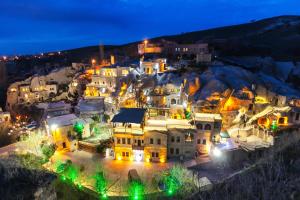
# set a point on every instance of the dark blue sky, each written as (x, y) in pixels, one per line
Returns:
(33, 26)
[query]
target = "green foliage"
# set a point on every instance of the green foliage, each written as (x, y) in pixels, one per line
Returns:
(100, 184)
(72, 173)
(48, 150)
(78, 128)
(106, 117)
(172, 184)
(177, 181)
(136, 190)
(67, 170)
(30, 161)
(274, 126)
(96, 118)
(187, 114)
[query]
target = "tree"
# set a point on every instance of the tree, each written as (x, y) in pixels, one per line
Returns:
(48, 150)
(100, 184)
(136, 190)
(78, 128)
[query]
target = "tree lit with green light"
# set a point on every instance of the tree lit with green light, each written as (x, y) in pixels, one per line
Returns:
(78, 128)
(171, 185)
(136, 190)
(68, 171)
(274, 126)
(101, 184)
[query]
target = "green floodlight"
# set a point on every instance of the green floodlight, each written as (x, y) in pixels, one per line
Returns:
(136, 190)
(63, 178)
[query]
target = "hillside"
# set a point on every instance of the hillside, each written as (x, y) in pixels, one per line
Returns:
(278, 37)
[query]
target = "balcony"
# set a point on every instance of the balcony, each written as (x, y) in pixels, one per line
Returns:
(136, 147)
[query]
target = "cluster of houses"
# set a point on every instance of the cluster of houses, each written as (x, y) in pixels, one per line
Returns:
(40, 88)
(155, 113)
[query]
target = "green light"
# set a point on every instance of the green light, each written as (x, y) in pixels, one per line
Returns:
(80, 186)
(274, 126)
(100, 184)
(172, 184)
(136, 190)
(63, 178)
(104, 196)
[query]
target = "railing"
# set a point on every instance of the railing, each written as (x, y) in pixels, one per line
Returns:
(134, 130)
(136, 147)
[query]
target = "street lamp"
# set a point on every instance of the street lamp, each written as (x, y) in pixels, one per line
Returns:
(217, 152)
(93, 61)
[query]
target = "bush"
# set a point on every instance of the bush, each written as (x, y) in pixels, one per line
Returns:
(48, 150)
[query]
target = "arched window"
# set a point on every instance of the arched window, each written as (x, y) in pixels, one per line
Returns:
(199, 126)
(173, 101)
(207, 127)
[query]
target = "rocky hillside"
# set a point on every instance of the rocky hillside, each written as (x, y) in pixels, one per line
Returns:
(278, 37)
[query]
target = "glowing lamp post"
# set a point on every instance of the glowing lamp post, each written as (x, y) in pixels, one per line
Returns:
(217, 152)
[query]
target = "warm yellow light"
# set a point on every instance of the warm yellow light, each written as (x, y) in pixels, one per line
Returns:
(131, 158)
(162, 160)
(93, 61)
(119, 158)
(145, 42)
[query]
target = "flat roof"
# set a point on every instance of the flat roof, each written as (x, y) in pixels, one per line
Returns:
(130, 115)
(63, 120)
(207, 117)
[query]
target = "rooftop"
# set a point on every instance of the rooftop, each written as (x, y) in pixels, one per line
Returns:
(130, 115)
(207, 117)
(63, 120)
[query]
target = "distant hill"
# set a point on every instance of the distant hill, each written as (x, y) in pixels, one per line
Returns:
(278, 37)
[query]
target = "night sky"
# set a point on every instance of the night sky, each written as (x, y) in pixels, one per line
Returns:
(34, 26)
